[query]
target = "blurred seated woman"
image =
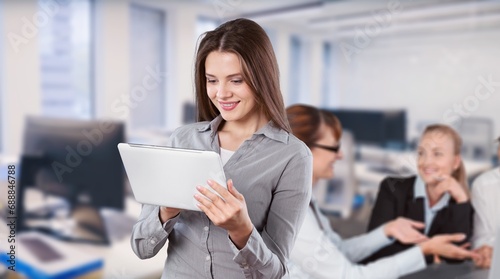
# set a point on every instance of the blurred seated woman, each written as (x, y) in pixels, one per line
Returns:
(486, 202)
(438, 196)
(319, 252)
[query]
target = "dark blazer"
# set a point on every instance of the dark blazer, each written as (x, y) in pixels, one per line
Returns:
(395, 199)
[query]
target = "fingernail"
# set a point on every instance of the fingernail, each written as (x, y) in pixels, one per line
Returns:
(199, 188)
(210, 182)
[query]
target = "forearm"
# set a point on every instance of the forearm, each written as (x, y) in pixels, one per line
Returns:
(359, 247)
(313, 258)
(256, 260)
(148, 234)
(461, 219)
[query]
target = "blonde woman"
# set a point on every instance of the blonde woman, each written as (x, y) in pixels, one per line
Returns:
(438, 196)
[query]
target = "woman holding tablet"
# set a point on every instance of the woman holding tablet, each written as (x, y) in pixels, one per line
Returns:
(250, 231)
(320, 252)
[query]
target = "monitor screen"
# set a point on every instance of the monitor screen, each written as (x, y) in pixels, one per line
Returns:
(79, 159)
(70, 169)
(382, 128)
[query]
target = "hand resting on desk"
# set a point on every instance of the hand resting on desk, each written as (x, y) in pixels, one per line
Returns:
(485, 253)
(443, 245)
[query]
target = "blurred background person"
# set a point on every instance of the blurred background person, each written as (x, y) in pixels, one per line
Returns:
(437, 196)
(485, 199)
(319, 251)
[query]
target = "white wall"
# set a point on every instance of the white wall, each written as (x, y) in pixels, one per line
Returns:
(427, 74)
(112, 61)
(21, 71)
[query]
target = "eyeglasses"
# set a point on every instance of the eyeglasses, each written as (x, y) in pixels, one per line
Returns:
(329, 148)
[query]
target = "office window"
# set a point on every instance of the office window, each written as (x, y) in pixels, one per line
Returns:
(329, 87)
(271, 33)
(147, 51)
(326, 87)
(204, 24)
(298, 90)
(2, 64)
(66, 45)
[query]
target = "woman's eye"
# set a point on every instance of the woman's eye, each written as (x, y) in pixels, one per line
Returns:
(237, 81)
(211, 80)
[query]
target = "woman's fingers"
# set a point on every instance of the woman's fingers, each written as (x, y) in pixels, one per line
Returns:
(234, 191)
(416, 224)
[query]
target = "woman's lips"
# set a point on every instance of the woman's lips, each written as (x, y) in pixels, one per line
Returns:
(228, 106)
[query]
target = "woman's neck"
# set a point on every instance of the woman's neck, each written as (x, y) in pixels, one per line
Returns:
(233, 133)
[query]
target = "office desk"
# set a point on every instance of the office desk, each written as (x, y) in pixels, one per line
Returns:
(448, 271)
(119, 259)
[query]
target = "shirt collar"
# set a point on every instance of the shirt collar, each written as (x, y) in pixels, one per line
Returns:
(419, 192)
(268, 130)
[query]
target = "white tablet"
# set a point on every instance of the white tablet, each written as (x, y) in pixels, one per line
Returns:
(168, 176)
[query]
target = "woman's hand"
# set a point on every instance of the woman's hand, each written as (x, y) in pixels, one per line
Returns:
(405, 230)
(485, 253)
(442, 245)
(229, 212)
(167, 213)
(448, 184)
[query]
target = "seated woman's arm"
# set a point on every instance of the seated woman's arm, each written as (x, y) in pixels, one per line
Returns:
(316, 256)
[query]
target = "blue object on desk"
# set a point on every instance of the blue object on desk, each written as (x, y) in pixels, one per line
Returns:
(33, 273)
(358, 201)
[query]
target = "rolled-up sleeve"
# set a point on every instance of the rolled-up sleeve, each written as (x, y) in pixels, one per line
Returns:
(148, 234)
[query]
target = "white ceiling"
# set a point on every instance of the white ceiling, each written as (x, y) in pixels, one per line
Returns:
(339, 19)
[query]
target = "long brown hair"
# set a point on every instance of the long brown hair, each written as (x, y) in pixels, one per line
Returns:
(251, 44)
(306, 121)
(444, 130)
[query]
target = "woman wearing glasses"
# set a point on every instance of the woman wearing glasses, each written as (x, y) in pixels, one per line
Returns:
(319, 252)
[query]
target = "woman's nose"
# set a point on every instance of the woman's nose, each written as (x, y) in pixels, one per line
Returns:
(223, 91)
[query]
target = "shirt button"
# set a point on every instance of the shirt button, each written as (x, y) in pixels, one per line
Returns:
(205, 228)
(153, 241)
(207, 258)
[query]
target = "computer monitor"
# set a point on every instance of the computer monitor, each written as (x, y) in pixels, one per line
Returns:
(395, 129)
(75, 160)
(381, 128)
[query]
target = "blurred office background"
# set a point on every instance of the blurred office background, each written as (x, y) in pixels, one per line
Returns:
(386, 68)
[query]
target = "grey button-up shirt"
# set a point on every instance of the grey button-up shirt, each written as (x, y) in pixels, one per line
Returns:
(273, 171)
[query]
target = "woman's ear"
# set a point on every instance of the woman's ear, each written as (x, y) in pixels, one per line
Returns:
(457, 162)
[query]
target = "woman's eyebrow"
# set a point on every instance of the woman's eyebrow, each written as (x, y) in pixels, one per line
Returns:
(229, 76)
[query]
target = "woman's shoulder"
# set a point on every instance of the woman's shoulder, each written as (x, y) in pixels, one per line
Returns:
(298, 146)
